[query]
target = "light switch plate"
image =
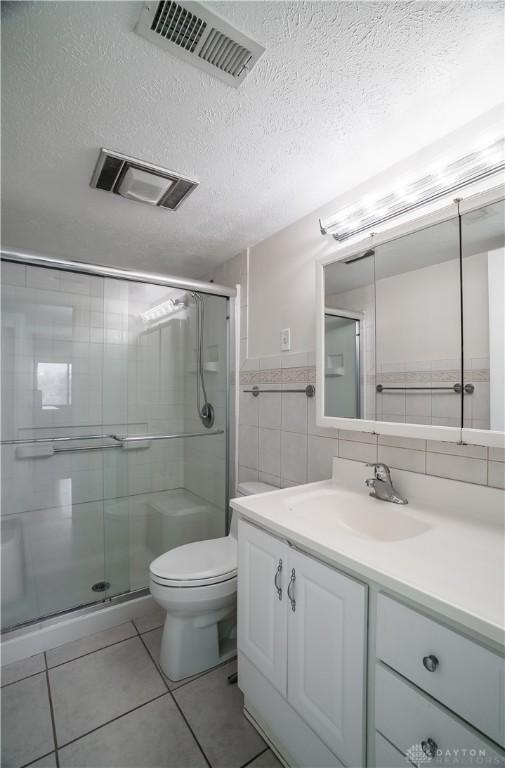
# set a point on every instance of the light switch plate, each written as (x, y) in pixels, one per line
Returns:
(285, 339)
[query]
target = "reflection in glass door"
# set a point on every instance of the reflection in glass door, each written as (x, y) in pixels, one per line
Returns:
(342, 360)
(483, 270)
(99, 383)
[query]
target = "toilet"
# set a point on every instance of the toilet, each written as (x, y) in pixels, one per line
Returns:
(196, 584)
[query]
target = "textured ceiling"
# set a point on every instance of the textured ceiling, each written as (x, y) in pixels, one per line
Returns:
(344, 90)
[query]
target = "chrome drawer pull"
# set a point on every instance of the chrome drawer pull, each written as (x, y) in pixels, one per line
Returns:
(291, 592)
(429, 748)
(277, 576)
(430, 662)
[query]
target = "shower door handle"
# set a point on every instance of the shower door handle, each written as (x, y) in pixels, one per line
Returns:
(276, 580)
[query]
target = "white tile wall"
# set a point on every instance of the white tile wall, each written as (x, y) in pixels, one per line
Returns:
(306, 449)
(457, 467)
(294, 457)
(269, 451)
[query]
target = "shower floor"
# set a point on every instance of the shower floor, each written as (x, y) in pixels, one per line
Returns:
(68, 549)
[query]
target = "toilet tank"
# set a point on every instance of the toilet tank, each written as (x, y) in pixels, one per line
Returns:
(248, 488)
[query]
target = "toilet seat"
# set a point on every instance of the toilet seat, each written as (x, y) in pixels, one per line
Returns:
(197, 564)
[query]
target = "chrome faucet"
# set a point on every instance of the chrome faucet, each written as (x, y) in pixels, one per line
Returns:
(382, 486)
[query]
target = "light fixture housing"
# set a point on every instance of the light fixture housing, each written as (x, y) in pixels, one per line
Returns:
(443, 180)
(140, 181)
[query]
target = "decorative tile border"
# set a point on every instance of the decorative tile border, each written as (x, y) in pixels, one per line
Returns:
(302, 375)
(433, 377)
(307, 375)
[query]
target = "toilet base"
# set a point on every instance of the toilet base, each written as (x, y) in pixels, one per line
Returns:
(190, 645)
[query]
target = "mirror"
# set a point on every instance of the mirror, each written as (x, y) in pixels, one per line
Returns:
(349, 338)
(418, 327)
(414, 329)
(483, 251)
(392, 331)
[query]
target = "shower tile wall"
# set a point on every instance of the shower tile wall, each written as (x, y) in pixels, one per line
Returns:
(205, 457)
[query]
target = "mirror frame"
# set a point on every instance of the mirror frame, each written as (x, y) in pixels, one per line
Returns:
(422, 219)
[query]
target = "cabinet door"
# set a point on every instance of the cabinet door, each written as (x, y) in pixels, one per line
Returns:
(262, 600)
(326, 654)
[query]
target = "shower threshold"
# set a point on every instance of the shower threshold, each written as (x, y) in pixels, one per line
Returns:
(35, 637)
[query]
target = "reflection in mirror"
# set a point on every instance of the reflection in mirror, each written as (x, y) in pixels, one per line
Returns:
(349, 355)
(483, 250)
(418, 327)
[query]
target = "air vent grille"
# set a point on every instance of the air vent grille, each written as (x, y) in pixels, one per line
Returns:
(197, 35)
(179, 26)
(224, 53)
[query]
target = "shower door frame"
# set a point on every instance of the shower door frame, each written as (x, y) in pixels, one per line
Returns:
(152, 278)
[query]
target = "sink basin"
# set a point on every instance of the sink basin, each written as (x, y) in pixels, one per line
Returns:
(357, 514)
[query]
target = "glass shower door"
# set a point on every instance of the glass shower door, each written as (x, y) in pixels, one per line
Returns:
(100, 384)
(52, 490)
(171, 488)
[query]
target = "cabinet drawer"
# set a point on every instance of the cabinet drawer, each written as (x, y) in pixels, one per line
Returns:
(409, 719)
(387, 756)
(466, 677)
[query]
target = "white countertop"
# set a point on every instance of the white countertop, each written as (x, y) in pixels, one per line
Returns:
(455, 565)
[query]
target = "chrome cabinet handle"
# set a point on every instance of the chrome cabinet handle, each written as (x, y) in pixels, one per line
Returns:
(291, 590)
(430, 662)
(429, 747)
(276, 577)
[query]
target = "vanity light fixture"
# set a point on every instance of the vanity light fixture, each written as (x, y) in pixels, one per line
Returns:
(140, 181)
(447, 177)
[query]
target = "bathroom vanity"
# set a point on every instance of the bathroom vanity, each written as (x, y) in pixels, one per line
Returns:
(369, 632)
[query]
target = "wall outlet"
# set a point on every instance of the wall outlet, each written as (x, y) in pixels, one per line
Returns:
(285, 339)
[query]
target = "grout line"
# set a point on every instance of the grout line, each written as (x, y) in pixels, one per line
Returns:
(244, 765)
(89, 653)
(177, 704)
(26, 765)
(27, 677)
(53, 721)
(113, 720)
(190, 729)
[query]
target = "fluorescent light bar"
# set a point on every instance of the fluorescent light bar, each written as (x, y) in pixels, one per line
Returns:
(165, 309)
(447, 177)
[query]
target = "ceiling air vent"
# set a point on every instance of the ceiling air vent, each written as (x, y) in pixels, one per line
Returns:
(196, 35)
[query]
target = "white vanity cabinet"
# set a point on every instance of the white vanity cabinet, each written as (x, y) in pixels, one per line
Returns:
(302, 625)
(262, 618)
(438, 694)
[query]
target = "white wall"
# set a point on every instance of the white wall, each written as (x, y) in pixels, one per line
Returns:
(282, 267)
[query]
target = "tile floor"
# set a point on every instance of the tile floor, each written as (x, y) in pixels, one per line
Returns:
(103, 702)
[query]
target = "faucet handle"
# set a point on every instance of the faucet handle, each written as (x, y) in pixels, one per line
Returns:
(381, 471)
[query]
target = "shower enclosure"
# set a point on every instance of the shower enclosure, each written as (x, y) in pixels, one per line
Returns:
(114, 429)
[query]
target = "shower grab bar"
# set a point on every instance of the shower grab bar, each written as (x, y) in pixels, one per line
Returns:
(309, 390)
(86, 448)
(29, 441)
(456, 388)
(177, 435)
(119, 440)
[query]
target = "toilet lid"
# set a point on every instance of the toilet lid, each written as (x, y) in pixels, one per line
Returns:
(200, 562)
